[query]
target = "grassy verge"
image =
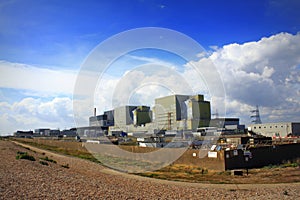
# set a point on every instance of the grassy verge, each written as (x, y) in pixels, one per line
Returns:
(55, 147)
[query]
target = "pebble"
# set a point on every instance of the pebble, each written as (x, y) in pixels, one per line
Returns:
(23, 179)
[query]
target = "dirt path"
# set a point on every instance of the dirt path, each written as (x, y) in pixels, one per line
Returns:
(88, 180)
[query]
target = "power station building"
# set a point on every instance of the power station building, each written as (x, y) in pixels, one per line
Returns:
(105, 120)
(128, 115)
(178, 113)
(175, 112)
(142, 115)
(280, 129)
(181, 112)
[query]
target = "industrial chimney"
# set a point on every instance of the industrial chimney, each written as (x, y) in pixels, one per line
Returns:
(95, 112)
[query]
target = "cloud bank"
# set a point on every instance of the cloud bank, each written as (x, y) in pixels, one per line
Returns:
(264, 73)
(43, 80)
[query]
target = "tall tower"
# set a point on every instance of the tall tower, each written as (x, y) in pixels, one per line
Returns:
(255, 118)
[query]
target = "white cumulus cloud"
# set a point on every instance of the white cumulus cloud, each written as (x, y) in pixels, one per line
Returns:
(31, 113)
(264, 73)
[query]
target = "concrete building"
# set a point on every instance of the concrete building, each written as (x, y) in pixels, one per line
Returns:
(182, 112)
(23, 134)
(42, 131)
(198, 112)
(153, 141)
(69, 132)
(123, 116)
(99, 120)
(105, 120)
(222, 122)
(91, 131)
(54, 132)
(109, 117)
(280, 129)
(142, 115)
(228, 125)
(169, 110)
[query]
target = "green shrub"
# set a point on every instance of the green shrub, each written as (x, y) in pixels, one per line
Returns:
(290, 165)
(21, 153)
(270, 166)
(24, 155)
(43, 163)
(204, 171)
(48, 159)
(65, 166)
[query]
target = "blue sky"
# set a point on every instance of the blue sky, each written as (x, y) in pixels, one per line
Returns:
(42, 38)
(61, 33)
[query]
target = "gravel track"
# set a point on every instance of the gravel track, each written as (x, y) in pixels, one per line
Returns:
(24, 179)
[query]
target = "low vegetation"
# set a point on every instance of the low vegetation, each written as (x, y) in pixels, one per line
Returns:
(178, 171)
(188, 173)
(24, 155)
(65, 166)
(48, 159)
(285, 165)
(44, 163)
(67, 148)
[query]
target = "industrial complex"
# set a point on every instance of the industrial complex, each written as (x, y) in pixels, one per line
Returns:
(170, 113)
(185, 121)
(186, 113)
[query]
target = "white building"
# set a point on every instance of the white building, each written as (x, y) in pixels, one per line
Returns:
(279, 129)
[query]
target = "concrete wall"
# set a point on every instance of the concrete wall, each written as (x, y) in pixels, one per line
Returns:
(262, 156)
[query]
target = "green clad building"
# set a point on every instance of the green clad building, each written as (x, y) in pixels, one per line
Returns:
(177, 112)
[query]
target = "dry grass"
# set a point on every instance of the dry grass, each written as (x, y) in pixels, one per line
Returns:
(188, 173)
(64, 147)
(186, 168)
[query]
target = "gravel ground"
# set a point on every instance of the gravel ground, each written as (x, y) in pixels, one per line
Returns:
(24, 179)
